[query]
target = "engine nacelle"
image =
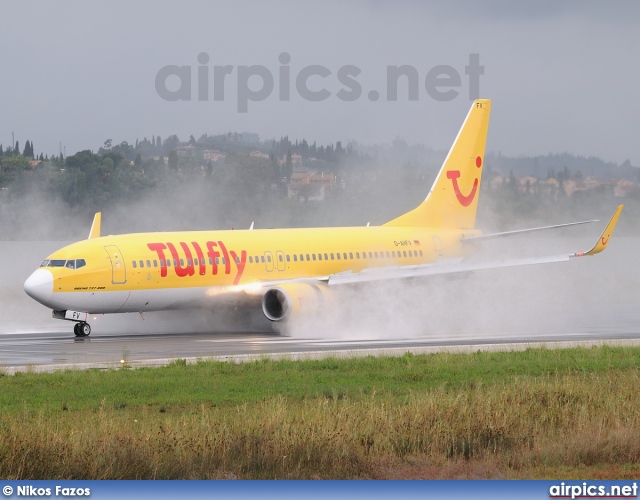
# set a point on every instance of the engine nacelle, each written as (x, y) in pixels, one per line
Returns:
(292, 299)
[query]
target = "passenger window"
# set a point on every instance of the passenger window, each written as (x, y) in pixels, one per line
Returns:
(224, 261)
(188, 262)
(155, 263)
(250, 260)
(148, 263)
(181, 262)
(237, 260)
(313, 255)
(268, 258)
(308, 259)
(326, 257)
(371, 256)
(404, 253)
(288, 258)
(295, 258)
(141, 263)
(161, 263)
(344, 256)
(420, 253)
(301, 258)
(350, 255)
(210, 261)
(175, 262)
(331, 256)
(279, 258)
(357, 255)
(338, 256)
(168, 263)
(319, 256)
(376, 254)
(134, 264)
(388, 256)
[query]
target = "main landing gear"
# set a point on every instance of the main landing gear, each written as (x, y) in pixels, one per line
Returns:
(82, 329)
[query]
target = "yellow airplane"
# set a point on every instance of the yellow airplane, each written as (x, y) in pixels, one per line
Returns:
(291, 272)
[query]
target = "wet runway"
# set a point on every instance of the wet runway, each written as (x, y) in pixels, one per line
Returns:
(589, 299)
(51, 350)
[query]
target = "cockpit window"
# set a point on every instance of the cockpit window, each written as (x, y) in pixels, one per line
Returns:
(71, 264)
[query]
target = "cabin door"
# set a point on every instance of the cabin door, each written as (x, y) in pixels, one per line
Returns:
(118, 269)
(268, 261)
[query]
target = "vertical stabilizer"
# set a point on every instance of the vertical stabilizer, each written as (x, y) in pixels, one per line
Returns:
(453, 199)
(95, 227)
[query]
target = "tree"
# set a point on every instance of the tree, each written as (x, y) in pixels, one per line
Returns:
(170, 143)
(288, 166)
(28, 150)
(16, 150)
(138, 161)
(107, 165)
(16, 163)
(107, 144)
(173, 160)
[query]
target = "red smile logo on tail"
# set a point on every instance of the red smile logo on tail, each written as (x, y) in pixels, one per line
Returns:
(465, 200)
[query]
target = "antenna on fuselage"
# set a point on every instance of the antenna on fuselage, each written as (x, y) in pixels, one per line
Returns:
(95, 227)
(251, 226)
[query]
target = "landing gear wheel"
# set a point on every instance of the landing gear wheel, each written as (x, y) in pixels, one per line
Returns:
(85, 329)
(82, 329)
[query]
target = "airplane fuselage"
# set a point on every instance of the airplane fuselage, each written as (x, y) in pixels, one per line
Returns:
(167, 270)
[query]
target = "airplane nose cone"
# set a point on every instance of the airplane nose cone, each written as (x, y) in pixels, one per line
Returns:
(39, 286)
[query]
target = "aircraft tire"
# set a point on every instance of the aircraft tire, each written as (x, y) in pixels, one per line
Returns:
(84, 329)
(76, 330)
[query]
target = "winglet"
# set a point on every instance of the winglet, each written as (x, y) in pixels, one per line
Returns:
(95, 227)
(604, 237)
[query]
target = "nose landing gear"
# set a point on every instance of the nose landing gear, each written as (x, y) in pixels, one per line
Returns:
(82, 329)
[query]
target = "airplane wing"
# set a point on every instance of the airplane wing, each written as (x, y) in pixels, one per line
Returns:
(455, 266)
(522, 231)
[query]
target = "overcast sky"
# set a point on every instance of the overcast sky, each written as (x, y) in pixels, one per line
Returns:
(563, 76)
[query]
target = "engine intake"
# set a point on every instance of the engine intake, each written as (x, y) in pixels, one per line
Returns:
(285, 301)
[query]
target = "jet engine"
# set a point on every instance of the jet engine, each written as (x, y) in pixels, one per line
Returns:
(289, 300)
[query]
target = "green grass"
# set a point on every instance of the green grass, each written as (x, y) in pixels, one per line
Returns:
(222, 384)
(535, 413)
